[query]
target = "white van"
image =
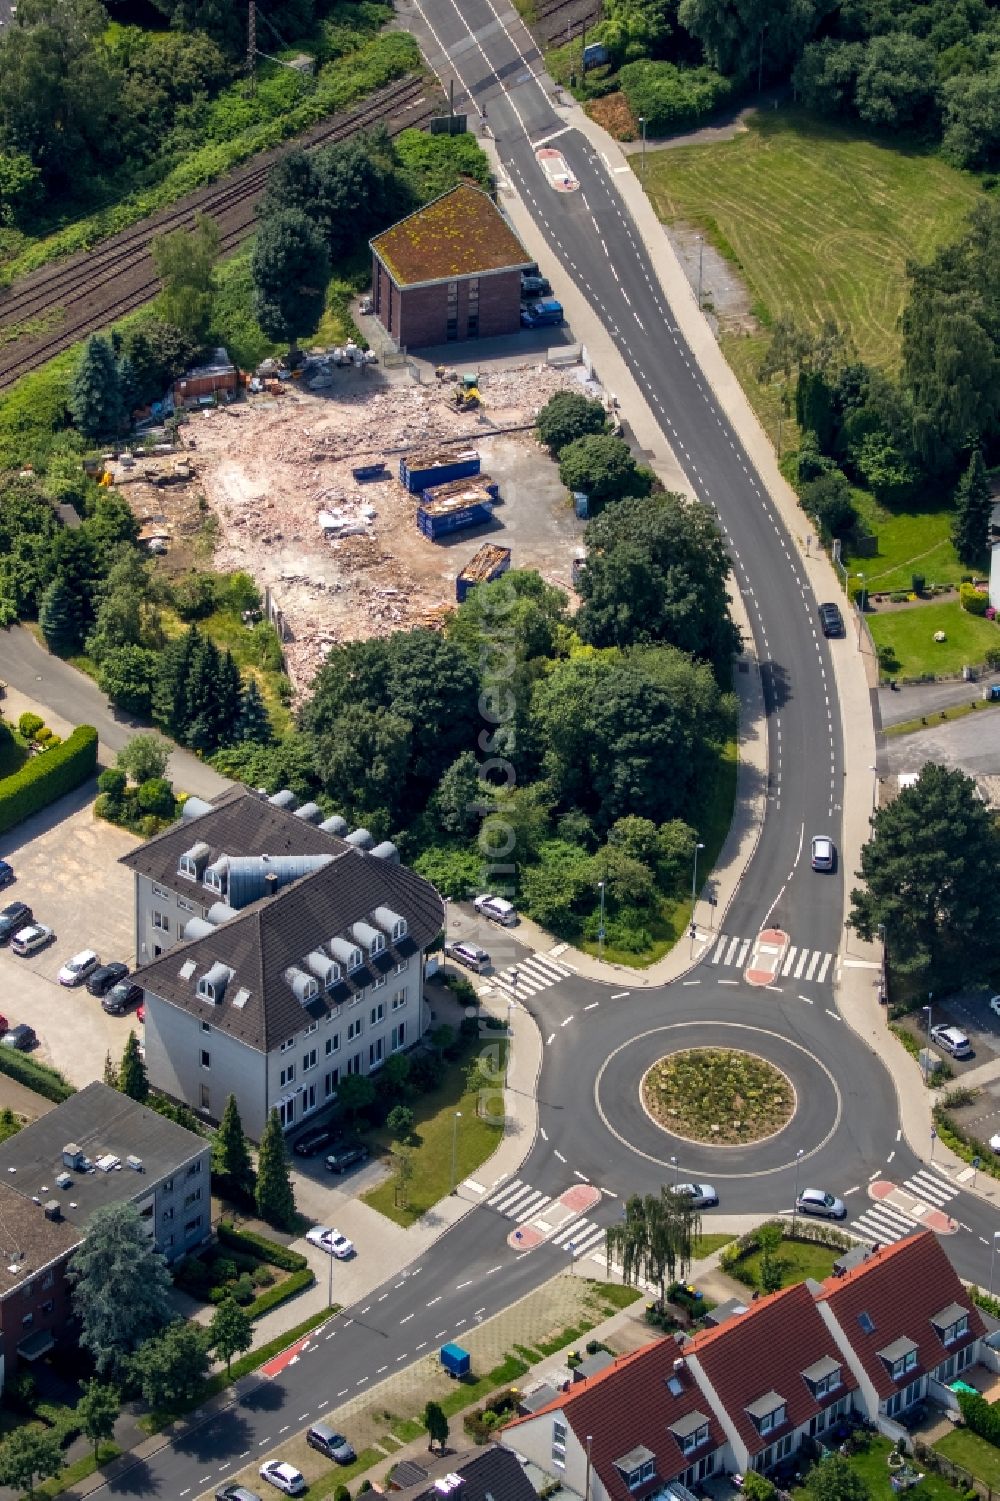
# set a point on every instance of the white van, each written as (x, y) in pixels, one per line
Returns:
(497, 910)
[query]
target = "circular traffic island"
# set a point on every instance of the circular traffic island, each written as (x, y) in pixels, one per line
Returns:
(719, 1095)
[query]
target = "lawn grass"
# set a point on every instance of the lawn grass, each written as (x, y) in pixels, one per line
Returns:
(433, 1130)
(616, 1295)
(338, 1475)
(674, 915)
(707, 1245)
(78, 1470)
(910, 541)
(873, 1467)
(798, 1259)
(973, 1453)
(818, 220)
(910, 633)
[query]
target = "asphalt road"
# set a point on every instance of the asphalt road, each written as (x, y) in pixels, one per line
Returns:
(56, 685)
(597, 1039)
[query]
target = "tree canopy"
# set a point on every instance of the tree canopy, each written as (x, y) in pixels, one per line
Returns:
(121, 1287)
(922, 879)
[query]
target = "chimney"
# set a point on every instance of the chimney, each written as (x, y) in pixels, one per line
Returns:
(271, 882)
(52, 1210)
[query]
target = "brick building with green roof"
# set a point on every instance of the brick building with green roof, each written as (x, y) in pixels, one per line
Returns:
(451, 271)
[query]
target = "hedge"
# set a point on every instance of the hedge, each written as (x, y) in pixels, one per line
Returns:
(37, 1076)
(260, 1247)
(48, 776)
(281, 1292)
(976, 601)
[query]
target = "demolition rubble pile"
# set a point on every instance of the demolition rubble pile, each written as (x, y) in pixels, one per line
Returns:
(342, 558)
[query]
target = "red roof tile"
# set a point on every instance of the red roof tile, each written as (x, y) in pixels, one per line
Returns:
(767, 1349)
(629, 1404)
(900, 1288)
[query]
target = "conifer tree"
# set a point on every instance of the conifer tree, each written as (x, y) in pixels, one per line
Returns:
(95, 400)
(274, 1195)
(57, 618)
(230, 1154)
(254, 723)
(970, 527)
(132, 1077)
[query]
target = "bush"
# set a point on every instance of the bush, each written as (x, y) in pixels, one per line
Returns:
(112, 783)
(43, 736)
(669, 97)
(993, 658)
(261, 1247)
(157, 797)
(241, 1289)
(29, 724)
(275, 1295)
(48, 777)
(976, 601)
(37, 1076)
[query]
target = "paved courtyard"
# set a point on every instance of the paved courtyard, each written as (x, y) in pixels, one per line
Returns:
(67, 871)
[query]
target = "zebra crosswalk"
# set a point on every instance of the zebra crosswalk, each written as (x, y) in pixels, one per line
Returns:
(535, 973)
(885, 1223)
(519, 1201)
(798, 964)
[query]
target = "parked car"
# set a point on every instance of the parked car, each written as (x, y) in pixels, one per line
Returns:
(331, 1241)
(818, 1201)
(314, 1140)
(30, 939)
(831, 621)
(76, 970)
(702, 1195)
(121, 997)
(283, 1476)
(6, 874)
(331, 1443)
(469, 954)
(952, 1041)
(21, 1037)
(824, 853)
(346, 1155)
(235, 1493)
(105, 976)
(496, 909)
(16, 915)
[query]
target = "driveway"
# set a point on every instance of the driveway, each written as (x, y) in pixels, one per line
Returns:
(912, 700)
(67, 871)
(54, 689)
(970, 744)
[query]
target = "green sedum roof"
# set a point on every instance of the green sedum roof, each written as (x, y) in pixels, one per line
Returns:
(462, 233)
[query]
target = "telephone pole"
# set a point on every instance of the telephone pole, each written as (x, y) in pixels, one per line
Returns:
(252, 45)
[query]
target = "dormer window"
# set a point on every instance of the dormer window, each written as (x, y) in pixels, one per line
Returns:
(212, 984)
(951, 1323)
(690, 1431)
(215, 875)
(390, 922)
(193, 861)
(900, 1357)
(823, 1376)
(304, 987)
(346, 953)
(370, 938)
(768, 1412)
(637, 1467)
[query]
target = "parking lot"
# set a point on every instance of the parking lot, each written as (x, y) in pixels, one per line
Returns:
(68, 873)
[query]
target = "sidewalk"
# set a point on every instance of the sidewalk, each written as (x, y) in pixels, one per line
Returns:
(855, 669)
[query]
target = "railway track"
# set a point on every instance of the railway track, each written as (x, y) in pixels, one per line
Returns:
(92, 289)
(555, 18)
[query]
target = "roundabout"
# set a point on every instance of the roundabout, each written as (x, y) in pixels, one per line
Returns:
(803, 1112)
(718, 1096)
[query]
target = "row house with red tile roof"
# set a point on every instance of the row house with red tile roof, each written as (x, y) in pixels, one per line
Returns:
(898, 1327)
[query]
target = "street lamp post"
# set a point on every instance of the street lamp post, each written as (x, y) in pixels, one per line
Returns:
(642, 123)
(454, 1146)
(600, 930)
(515, 975)
(329, 1290)
(875, 783)
(993, 1252)
(798, 1158)
(861, 606)
(673, 1164)
(694, 889)
(928, 1009)
(701, 254)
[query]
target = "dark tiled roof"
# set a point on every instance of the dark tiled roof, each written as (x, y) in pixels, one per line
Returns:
(28, 1241)
(101, 1122)
(241, 822)
(901, 1288)
(764, 1352)
(462, 233)
(277, 932)
(492, 1474)
(628, 1406)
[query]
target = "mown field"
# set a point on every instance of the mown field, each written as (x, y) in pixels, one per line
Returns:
(819, 219)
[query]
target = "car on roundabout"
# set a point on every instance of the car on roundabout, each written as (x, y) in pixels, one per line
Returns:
(701, 1195)
(818, 1201)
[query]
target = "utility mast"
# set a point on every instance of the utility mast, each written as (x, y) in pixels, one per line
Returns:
(252, 44)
